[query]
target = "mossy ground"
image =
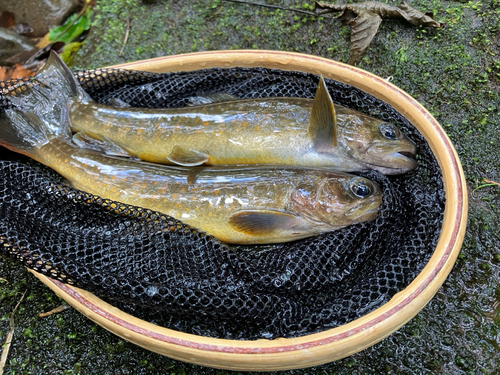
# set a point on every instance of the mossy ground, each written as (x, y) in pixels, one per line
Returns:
(454, 72)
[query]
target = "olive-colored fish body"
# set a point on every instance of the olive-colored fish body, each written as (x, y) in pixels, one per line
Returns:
(255, 131)
(236, 205)
(275, 131)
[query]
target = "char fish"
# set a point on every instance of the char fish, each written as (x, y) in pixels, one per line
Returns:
(274, 131)
(238, 205)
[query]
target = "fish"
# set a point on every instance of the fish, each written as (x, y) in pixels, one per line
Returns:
(237, 205)
(269, 131)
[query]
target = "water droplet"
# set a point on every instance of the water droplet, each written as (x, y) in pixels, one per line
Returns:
(151, 291)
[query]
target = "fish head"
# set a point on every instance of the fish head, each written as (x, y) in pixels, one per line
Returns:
(377, 144)
(337, 200)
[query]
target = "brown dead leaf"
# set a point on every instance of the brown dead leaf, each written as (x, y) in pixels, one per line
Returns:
(7, 19)
(16, 71)
(44, 42)
(365, 19)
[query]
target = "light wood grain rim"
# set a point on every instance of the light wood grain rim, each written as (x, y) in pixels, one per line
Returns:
(329, 345)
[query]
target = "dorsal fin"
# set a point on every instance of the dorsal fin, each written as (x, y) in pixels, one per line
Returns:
(323, 121)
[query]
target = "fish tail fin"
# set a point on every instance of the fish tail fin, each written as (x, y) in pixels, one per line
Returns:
(40, 112)
(21, 132)
(55, 73)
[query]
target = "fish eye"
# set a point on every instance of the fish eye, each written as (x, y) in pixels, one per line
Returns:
(389, 131)
(360, 188)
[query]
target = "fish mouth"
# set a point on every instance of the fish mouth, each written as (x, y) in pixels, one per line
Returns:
(366, 210)
(392, 159)
(407, 154)
(398, 163)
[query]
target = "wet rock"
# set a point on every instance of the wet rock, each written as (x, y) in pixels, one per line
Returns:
(12, 43)
(41, 15)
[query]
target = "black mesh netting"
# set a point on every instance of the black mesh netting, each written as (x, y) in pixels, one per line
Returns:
(160, 270)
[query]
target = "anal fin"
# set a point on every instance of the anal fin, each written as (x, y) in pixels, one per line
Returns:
(186, 158)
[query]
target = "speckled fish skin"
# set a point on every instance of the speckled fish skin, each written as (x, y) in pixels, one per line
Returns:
(212, 199)
(257, 131)
(273, 131)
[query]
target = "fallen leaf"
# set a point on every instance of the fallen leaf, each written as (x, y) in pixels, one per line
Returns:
(44, 42)
(7, 19)
(16, 71)
(69, 51)
(365, 19)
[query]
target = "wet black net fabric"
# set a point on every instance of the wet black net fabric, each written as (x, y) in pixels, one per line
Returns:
(160, 270)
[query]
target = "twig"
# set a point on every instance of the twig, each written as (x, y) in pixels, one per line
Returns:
(81, 13)
(57, 310)
(3, 280)
(126, 37)
(275, 7)
(10, 335)
(486, 183)
(491, 182)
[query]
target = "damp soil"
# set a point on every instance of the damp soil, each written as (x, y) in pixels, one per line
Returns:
(454, 72)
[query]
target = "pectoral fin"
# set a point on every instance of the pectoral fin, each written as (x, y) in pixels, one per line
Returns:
(264, 222)
(99, 143)
(186, 158)
(323, 122)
